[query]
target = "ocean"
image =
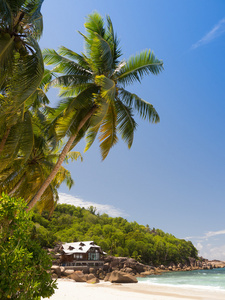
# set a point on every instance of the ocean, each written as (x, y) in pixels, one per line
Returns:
(213, 279)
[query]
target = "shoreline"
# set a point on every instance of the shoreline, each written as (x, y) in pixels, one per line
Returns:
(69, 289)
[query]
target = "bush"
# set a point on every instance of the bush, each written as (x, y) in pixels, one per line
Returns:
(24, 265)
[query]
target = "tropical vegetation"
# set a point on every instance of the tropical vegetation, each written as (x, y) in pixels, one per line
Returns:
(24, 264)
(21, 71)
(116, 236)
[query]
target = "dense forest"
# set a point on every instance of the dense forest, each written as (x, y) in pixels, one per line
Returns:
(116, 236)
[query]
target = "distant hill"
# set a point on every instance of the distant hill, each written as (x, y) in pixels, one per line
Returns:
(116, 236)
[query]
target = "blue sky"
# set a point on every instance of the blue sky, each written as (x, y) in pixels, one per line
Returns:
(173, 177)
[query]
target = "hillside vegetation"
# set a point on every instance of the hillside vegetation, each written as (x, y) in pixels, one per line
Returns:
(116, 236)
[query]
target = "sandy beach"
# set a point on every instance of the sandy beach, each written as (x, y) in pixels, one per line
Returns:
(70, 290)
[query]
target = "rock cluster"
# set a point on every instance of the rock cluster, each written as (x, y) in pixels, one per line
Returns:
(125, 270)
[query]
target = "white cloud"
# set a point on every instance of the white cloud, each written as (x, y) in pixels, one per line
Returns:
(214, 233)
(199, 246)
(101, 208)
(207, 235)
(212, 252)
(217, 30)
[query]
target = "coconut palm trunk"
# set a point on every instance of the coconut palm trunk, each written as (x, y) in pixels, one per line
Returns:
(61, 159)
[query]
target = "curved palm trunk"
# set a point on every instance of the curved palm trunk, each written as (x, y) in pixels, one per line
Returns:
(62, 156)
(3, 141)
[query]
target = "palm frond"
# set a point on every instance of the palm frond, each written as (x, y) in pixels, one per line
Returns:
(126, 122)
(33, 16)
(27, 138)
(81, 59)
(108, 87)
(83, 100)
(101, 56)
(73, 155)
(6, 15)
(137, 66)
(6, 56)
(94, 24)
(90, 136)
(145, 109)
(62, 64)
(113, 42)
(70, 80)
(107, 136)
(27, 75)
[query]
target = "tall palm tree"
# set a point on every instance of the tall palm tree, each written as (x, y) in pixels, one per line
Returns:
(21, 62)
(23, 178)
(93, 88)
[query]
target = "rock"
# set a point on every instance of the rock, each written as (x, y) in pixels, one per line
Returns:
(77, 276)
(121, 277)
(127, 270)
(93, 280)
(147, 273)
(54, 276)
(56, 270)
(107, 277)
(192, 261)
(68, 272)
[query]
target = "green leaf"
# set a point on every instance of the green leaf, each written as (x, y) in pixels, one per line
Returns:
(108, 87)
(126, 122)
(137, 66)
(145, 109)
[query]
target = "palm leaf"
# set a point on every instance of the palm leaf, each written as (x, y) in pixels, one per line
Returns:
(27, 75)
(27, 138)
(108, 137)
(137, 66)
(94, 24)
(145, 109)
(101, 55)
(108, 87)
(126, 122)
(113, 42)
(6, 16)
(70, 80)
(63, 65)
(81, 59)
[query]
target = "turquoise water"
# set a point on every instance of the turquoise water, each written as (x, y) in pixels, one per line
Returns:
(200, 278)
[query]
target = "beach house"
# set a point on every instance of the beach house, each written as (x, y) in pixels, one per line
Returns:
(81, 254)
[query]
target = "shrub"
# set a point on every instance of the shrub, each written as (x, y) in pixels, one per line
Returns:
(24, 265)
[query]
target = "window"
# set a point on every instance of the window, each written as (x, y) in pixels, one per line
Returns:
(93, 256)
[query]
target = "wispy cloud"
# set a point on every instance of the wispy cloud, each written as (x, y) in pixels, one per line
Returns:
(214, 233)
(215, 32)
(207, 235)
(101, 208)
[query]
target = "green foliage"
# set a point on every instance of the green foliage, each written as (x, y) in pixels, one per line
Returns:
(24, 264)
(116, 236)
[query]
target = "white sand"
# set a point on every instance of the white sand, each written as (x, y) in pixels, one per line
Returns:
(70, 290)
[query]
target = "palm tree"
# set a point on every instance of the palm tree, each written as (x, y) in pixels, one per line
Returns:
(92, 86)
(23, 178)
(21, 63)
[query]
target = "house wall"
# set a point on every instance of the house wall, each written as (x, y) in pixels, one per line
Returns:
(92, 258)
